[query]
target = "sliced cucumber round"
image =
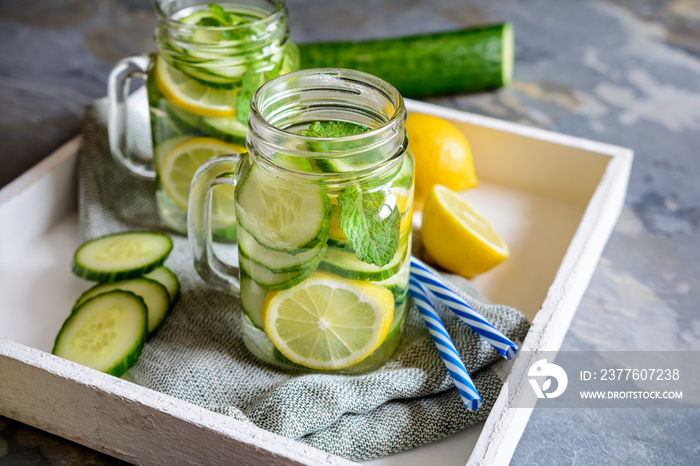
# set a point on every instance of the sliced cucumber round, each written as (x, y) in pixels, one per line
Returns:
(399, 315)
(273, 260)
(335, 165)
(398, 283)
(404, 178)
(169, 280)
(252, 298)
(121, 256)
(277, 280)
(187, 121)
(339, 245)
(105, 333)
(204, 76)
(153, 294)
(194, 18)
(226, 129)
(346, 264)
(282, 215)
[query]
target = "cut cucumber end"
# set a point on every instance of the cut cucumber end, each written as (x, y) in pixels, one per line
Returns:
(507, 51)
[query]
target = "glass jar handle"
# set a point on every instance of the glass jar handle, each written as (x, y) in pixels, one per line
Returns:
(118, 92)
(215, 171)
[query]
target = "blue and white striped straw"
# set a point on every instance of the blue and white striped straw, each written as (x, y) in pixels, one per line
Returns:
(465, 387)
(465, 312)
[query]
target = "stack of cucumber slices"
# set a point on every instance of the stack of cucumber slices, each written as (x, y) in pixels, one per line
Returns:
(110, 322)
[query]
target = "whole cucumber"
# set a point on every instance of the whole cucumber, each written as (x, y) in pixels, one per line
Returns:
(467, 60)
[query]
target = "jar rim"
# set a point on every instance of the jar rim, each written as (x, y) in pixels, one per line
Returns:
(279, 10)
(343, 73)
(385, 143)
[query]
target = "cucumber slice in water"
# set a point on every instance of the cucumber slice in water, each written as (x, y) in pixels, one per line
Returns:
(277, 280)
(154, 295)
(281, 215)
(276, 261)
(346, 264)
(204, 76)
(252, 298)
(404, 179)
(226, 129)
(399, 315)
(398, 283)
(105, 333)
(121, 256)
(186, 120)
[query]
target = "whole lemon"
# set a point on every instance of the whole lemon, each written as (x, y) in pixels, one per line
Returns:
(442, 155)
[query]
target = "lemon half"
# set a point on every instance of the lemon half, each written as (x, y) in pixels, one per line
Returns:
(457, 237)
(327, 322)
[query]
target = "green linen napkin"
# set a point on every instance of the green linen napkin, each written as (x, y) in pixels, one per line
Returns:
(198, 355)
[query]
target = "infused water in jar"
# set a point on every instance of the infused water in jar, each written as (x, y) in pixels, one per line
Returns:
(210, 59)
(323, 205)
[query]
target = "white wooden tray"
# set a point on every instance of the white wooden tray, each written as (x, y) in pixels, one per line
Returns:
(554, 198)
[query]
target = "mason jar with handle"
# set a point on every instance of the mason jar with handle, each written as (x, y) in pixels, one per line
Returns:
(210, 59)
(323, 203)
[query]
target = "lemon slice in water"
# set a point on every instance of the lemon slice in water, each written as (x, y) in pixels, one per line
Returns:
(327, 322)
(179, 164)
(193, 96)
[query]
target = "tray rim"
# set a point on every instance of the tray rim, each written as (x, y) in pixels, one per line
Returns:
(504, 425)
(502, 429)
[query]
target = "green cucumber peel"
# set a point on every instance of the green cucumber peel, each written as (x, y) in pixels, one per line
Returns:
(333, 129)
(250, 82)
(220, 17)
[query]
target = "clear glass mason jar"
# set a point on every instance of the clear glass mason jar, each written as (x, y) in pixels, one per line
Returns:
(199, 85)
(324, 222)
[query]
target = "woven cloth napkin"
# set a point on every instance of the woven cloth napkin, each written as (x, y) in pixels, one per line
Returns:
(198, 354)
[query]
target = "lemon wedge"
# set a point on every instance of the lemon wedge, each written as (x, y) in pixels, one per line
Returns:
(327, 322)
(457, 237)
(179, 164)
(192, 96)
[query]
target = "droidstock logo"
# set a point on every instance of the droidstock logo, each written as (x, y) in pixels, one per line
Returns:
(541, 375)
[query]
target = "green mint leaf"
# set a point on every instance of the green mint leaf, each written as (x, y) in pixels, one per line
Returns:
(209, 22)
(333, 129)
(222, 16)
(250, 82)
(370, 226)
(219, 14)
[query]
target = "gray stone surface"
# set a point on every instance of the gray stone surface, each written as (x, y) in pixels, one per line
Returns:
(625, 72)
